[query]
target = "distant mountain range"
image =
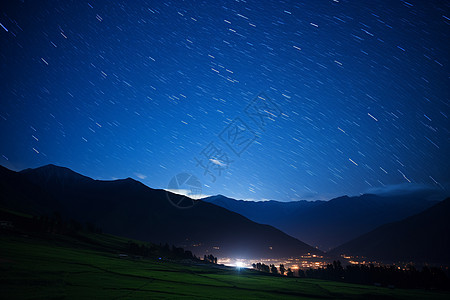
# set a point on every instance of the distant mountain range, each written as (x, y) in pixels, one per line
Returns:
(386, 228)
(424, 237)
(328, 224)
(129, 208)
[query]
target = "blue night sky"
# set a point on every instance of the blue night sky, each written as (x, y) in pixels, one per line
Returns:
(149, 89)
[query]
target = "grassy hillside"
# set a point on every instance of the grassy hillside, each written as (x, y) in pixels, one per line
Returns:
(64, 267)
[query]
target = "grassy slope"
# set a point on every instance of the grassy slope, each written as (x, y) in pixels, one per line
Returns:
(63, 267)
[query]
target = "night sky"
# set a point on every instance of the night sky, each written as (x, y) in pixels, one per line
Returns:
(356, 93)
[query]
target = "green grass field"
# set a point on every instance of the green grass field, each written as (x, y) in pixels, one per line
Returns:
(66, 268)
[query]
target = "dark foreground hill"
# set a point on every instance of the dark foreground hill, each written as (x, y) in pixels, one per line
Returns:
(424, 237)
(69, 268)
(328, 224)
(129, 208)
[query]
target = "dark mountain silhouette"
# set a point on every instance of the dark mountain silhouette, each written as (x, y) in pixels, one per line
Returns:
(51, 174)
(131, 209)
(328, 224)
(19, 194)
(424, 237)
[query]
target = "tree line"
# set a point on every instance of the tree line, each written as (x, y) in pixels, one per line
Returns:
(389, 276)
(273, 269)
(161, 251)
(165, 251)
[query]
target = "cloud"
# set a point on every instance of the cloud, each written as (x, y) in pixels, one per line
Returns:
(188, 193)
(255, 200)
(140, 176)
(425, 190)
(217, 162)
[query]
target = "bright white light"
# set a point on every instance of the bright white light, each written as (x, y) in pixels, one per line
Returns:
(240, 264)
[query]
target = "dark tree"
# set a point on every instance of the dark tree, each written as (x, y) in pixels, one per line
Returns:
(210, 258)
(273, 269)
(75, 225)
(282, 269)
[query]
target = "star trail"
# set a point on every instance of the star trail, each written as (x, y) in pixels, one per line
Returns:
(356, 93)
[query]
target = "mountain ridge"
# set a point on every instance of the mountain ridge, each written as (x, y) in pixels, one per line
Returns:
(423, 237)
(129, 208)
(328, 224)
